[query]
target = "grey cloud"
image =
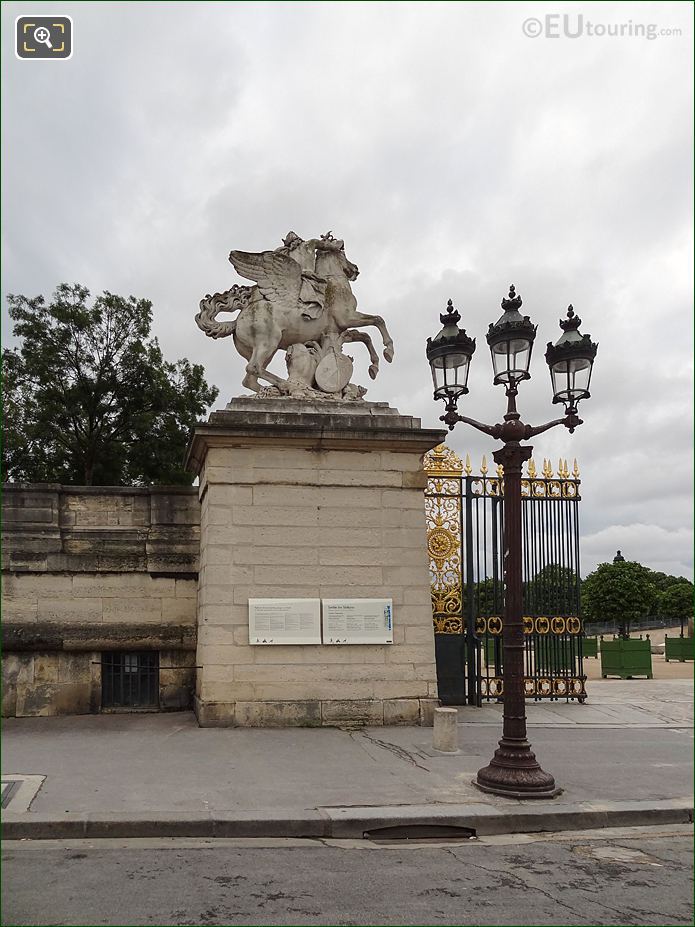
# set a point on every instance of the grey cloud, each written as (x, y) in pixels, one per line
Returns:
(452, 154)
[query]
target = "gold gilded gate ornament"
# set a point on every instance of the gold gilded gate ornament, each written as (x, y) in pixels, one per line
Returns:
(543, 687)
(446, 625)
(540, 624)
(440, 545)
(446, 600)
(442, 460)
(494, 625)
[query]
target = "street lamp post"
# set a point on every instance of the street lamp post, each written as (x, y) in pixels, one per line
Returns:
(623, 625)
(513, 771)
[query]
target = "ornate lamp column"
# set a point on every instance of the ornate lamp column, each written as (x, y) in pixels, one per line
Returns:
(514, 771)
(623, 626)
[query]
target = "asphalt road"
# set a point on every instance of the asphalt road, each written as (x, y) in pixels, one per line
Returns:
(622, 877)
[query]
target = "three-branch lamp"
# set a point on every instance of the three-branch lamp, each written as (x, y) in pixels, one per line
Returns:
(510, 340)
(513, 770)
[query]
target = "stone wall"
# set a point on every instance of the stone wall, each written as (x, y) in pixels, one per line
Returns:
(92, 569)
(300, 503)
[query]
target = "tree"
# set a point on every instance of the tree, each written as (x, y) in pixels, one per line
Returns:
(488, 597)
(88, 396)
(552, 591)
(619, 592)
(664, 581)
(676, 602)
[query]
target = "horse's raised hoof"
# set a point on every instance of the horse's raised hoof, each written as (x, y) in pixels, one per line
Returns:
(388, 353)
(373, 370)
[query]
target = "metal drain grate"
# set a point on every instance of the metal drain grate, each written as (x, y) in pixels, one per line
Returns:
(420, 833)
(9, 787)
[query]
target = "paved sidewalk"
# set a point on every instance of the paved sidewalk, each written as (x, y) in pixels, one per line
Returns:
(623, 758)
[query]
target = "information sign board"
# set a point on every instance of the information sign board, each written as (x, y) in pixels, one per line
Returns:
(284, 621)
(358, 621)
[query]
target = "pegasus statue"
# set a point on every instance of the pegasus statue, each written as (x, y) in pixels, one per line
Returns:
(301, 302)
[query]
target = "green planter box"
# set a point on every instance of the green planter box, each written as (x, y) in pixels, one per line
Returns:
(590, 647)
(626, 658)
(679, 648)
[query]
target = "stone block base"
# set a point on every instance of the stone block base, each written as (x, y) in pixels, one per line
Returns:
(312, 501)
(316, 713)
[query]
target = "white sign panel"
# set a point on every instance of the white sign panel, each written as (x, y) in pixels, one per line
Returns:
(358, 621)
(284, 621)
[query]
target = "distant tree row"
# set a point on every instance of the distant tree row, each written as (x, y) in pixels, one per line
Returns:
(88, 396)
(619, 592)
(624, 591)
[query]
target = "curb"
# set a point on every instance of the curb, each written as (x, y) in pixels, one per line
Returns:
(352, 822)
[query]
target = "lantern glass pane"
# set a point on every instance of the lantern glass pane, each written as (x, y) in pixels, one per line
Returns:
(438, 377)
(450, 375)
(571, 378)
(510, 359)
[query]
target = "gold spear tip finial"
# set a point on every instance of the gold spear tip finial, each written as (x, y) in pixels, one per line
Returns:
(575, 470)
(483, 466)
(532, 468)
(468, 467)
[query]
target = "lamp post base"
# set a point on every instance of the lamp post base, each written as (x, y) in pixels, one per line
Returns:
(514, 772)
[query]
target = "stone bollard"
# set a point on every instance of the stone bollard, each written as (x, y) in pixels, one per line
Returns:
(444, 736)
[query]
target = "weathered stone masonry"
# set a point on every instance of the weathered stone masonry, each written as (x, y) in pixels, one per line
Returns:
(91, 570)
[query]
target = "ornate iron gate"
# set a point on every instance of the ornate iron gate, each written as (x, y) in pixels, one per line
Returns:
(465, 515)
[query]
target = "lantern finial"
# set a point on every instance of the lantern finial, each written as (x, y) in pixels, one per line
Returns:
(513, 302)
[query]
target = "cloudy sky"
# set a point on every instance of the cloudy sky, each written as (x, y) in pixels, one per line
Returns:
(455, 155)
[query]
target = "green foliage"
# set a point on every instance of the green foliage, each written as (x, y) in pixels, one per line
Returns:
(664, 581)
(489, 597)
(619, 592)
(88, 396)
(552, 591)
(676, 601)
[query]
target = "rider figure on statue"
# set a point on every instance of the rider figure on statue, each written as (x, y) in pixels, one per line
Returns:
(313, 289)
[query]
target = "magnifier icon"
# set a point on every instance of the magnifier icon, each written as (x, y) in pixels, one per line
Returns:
(43, 36)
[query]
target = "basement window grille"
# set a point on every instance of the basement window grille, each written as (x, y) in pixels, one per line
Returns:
(130, 680)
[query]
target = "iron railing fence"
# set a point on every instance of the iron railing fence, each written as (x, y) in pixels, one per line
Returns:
(465, 524)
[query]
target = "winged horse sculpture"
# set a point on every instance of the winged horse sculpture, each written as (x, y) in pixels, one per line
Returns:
(307, 311)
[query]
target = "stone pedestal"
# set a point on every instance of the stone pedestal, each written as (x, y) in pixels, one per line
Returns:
(312, 500)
